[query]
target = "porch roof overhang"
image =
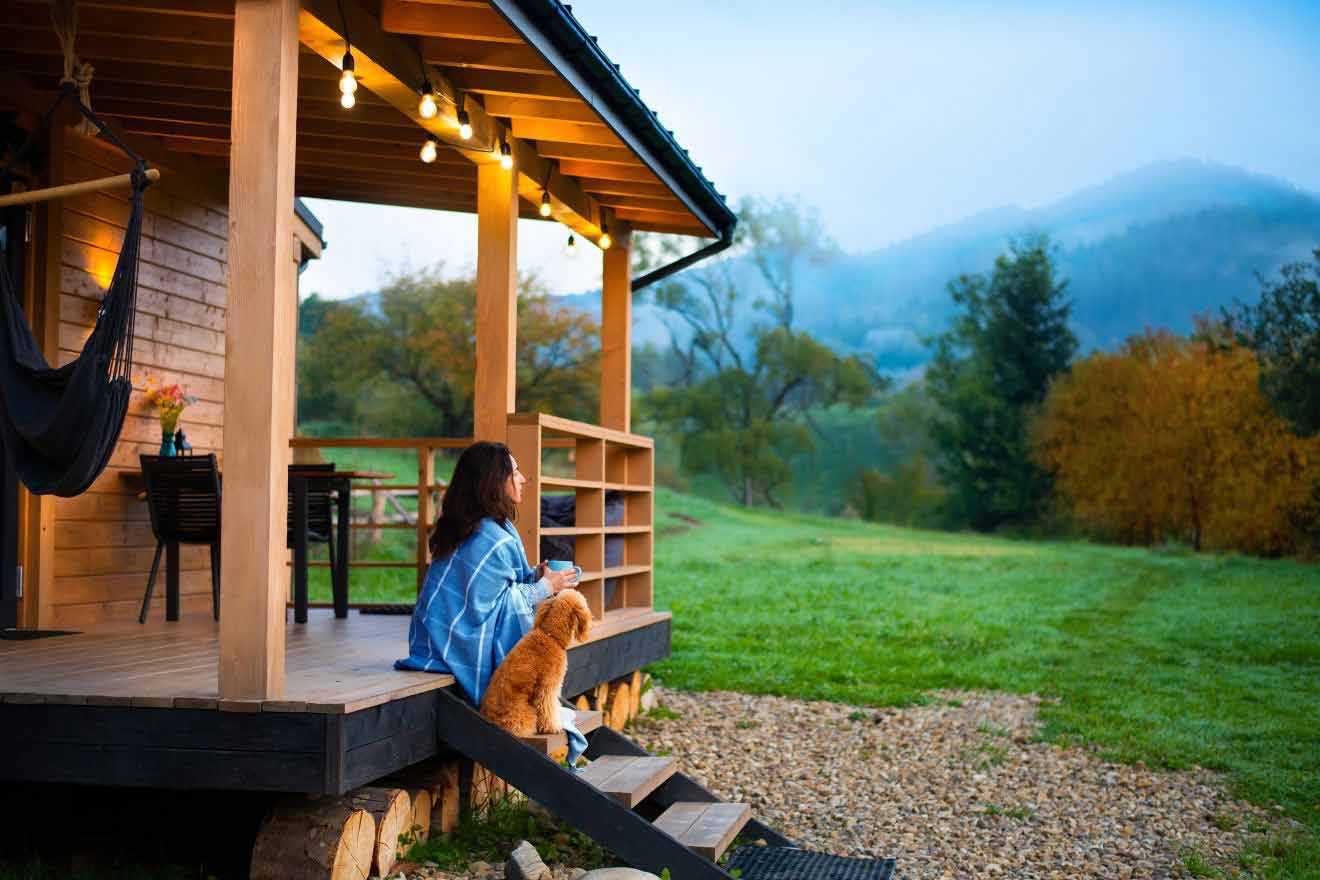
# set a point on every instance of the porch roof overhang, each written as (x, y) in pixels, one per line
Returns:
(526, 71)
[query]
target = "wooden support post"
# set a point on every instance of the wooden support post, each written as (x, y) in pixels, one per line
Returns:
(425, 479)
(42, 305)
(497, 300)
(616, 334)
(259, 349)
(525, 445)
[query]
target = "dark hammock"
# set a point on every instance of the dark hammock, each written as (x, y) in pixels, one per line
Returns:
(59, 425)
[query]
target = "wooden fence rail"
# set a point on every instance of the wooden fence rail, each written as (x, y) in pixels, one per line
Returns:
(426, 488)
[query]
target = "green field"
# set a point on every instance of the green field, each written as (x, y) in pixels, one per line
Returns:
(1169, 657)
(1166, 656)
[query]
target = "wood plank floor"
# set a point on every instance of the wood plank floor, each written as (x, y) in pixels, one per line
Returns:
(331, 666)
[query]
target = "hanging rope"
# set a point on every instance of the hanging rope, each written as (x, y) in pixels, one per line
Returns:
(64, 16)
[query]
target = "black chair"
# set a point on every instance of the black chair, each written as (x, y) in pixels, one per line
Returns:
(183, 495)
(320, 503)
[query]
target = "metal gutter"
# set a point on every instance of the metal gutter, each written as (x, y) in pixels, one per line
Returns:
(551, 28)
(681, 263)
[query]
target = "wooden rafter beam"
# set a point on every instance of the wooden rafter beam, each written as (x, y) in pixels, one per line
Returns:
(94, 20)
(602, 171)
(626, 188)
(668, 205)
(564, 132)
(98, 49)
(190, 8)
(389, 67)
(672, 228)
(533, 108)
(514, 85)
(507, 57)
(606, 155)
(651, 214)
(443, 20)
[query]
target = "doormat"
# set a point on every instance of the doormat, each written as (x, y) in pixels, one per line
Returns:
(789, 863)
(27, 635)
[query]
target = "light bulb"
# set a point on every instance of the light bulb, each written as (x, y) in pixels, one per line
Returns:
(605, 241)
(506, 156)
(347, 83)
(545, 208)
(426, 108)
(571, 249)
(348, 80)
(464, 125)
(429, 150)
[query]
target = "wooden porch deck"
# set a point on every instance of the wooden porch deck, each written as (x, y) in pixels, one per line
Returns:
(332, 666)
(138, 705)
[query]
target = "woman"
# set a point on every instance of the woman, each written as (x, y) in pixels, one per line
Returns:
(480, 594)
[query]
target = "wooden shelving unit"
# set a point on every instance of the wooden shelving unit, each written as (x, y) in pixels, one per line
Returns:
(602, 460)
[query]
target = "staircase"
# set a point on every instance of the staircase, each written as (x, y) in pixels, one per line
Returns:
(640, 806)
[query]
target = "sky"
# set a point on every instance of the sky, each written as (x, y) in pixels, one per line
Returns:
(894, 118)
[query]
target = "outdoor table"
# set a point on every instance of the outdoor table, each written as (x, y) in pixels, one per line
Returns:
(341, 483)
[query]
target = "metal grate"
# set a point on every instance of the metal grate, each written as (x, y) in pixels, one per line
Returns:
(787, 863)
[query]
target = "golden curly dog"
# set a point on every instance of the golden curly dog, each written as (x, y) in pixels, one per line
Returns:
(524, 693)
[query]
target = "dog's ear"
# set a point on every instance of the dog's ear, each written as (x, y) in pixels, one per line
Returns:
(581, 618)
(542, 612)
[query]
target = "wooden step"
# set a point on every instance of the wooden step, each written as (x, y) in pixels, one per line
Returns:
(627, 779)
(705, 828)
(545, 743)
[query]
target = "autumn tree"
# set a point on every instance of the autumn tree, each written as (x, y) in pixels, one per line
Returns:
(404, 359)
(989, 372)
(1172, 438)
(747, 379)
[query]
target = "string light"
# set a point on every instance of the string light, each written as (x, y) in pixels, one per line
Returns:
(605, 240)
(426, 107)
(571, 248)
(506, 155)
(545, 208)
(464, 126)
(429, 151)
(348, 82)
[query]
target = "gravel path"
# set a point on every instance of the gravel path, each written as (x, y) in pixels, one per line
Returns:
(953, 789)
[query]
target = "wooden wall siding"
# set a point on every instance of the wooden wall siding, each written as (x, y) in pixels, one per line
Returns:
(103, 542)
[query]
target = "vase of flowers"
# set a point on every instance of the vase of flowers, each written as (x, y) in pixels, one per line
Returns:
(170, 401)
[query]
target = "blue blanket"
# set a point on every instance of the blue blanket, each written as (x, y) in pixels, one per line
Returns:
(474, 607)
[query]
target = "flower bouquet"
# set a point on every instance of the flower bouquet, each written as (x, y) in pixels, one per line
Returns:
(170, 402)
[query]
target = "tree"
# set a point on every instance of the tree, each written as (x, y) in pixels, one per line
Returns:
(1173, 438)
(745, 388)
(1283, 329)
(403, 361)
(989, 372)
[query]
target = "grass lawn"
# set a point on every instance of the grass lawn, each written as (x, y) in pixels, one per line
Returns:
(1168, 657)
(1165, 656)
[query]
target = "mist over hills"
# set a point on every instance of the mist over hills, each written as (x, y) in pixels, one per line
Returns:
(1149, 248)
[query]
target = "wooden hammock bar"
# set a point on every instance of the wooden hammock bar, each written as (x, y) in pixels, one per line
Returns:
(74, 189)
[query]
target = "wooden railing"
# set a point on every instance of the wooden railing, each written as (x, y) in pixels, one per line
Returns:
(426, 488)
(598, 460)
(558, 456)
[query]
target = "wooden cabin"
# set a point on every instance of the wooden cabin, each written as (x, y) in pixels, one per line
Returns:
(240, 106)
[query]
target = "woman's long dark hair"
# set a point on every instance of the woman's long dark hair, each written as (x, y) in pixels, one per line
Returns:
(478, 489)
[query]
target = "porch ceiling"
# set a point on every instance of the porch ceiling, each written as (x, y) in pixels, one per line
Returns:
(163, 68)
